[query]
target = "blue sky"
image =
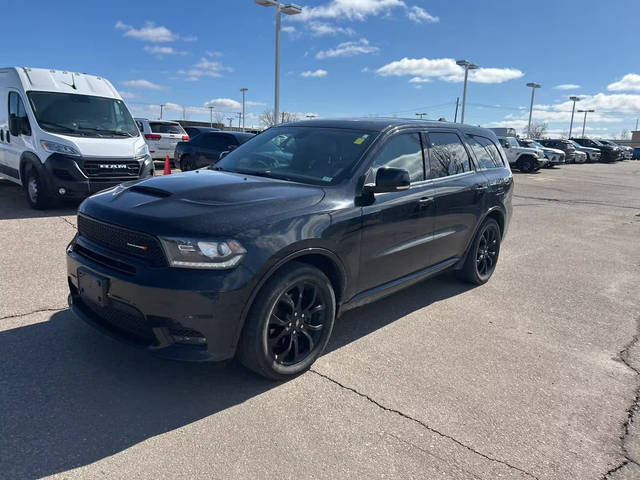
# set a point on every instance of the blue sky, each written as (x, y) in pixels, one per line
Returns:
(349, 57)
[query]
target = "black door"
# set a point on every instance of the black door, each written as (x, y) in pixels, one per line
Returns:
(459, 194)
(397, 226)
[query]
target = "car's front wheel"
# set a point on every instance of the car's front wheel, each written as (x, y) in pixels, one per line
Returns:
(290, 322)
(483, 255)
(526, 164)
(35, 190)
(186, 163)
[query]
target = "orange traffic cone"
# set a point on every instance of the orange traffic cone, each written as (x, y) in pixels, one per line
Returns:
(167, 165)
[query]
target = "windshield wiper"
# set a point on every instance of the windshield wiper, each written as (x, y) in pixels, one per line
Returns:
(107, 131)
(57, 125)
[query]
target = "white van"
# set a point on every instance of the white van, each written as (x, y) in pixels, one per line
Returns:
(162, 136)
(66, 134)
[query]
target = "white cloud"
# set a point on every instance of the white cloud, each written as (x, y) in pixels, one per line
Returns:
(212, 54)
(419, 80)
(349, 9)
(146, 84)
(314, 73)
(320, 29)
(420, 15)
(224, 104)
(567, 86)
(150, 32)
(447, 70)
(205, 68)
(348, 49)
(160, 51)
(127, 95)
(291, 30)
(630, 82)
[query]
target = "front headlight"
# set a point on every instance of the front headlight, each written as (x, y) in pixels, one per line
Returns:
(208, 254)
(53, 147)
(143, 150)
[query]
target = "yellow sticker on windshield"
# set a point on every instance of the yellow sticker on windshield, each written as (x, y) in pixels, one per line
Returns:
(358, 140)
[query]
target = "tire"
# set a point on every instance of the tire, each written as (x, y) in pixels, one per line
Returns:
(526, 165)
(35, 190)
(483, 254)
(287, 328)
(186, 163)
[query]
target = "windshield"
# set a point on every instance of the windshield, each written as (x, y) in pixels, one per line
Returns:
(82, 115)
(513, 142)
(320, 156)
(575, 144)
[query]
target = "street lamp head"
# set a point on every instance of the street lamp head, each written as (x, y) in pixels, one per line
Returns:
(462, 63)
(533, 85)
(473, 66)
(575, 99)
(244, 89)
(291, 9)
(586, 111)
(267, 3)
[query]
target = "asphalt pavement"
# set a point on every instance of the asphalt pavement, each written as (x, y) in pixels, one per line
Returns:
(531, 376)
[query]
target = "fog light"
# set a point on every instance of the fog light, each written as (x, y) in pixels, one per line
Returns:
(62, 191)
(189, 340)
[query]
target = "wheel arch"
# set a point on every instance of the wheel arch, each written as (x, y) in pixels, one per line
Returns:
(498, 215)
(30, 159)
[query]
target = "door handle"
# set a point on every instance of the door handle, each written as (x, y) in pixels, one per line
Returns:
(426, 201)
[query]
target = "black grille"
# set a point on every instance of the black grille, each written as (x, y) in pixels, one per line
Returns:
(122, 240)
(111, 168)
(130, 324)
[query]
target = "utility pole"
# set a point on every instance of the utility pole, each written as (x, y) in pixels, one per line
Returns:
(467, 66)
(637, 124)
(184, 112)
(244, 95)
(421, 115)
(210, 116)
(240, 117)
(455, 118)
(573, 111)
(282, 114)
(533, 87)
(161, 108)
(230, 121)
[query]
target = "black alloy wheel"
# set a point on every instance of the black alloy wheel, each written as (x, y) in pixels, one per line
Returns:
(483, 254)
(186, 163)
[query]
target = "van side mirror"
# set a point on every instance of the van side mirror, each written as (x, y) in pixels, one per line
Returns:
(25, 128)
(390, 180)
(14, 125)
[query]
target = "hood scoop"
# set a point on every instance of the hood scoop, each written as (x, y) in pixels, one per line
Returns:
(151, 191)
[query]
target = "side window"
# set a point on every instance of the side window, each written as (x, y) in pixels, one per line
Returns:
(447, 155)
(484, 158)
(493, 151)
(16, 110)
(403, 151)
(214, 142)
(140, 127)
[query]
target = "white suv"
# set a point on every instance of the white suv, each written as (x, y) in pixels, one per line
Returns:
(161, 136)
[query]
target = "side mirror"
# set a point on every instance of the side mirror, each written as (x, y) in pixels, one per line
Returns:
(223, 154)
(25, 128)
(390, 180)
(14, 125)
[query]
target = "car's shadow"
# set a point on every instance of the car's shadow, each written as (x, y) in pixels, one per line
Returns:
(14, 205)
(71, 396)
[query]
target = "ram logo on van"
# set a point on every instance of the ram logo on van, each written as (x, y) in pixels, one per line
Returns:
(105, 166)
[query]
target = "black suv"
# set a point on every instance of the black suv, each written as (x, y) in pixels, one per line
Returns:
(260, 253)
(565, 145)
(204, 150)
(607, 152)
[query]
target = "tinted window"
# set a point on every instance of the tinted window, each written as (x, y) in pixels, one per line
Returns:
(491, 147)
(403, 151)
(215, 141)
(447, 155)
(485, 151)
(192, 132)
(16, 109)
(157, 127)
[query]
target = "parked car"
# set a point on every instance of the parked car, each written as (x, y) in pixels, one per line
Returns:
(567, 147)
(261, 252)
(195, 131)
(626, 153)
(592, 154)
(205, 149)
(523, 158)
(555, 156)
(161, 136)
(66, 135)
(607, 152)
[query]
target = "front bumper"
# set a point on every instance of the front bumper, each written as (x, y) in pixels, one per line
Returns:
(80, 177)
(180, 314)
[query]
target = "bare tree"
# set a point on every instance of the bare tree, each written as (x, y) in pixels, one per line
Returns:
(267, 118)
(218, 117)
(538, 130)
(625, 134)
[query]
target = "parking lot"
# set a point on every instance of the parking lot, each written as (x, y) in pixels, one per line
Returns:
(533, 375)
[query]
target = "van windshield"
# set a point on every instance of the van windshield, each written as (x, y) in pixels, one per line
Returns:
(82, 115)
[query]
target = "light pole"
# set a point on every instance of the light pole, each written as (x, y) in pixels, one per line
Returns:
(573, 111)
(239, 118)
(287, 9)
(584, 123)
(244, 96)
(161, 109)
(533, 87)
(230, 121)
(420, 115)
(210, 116)
(467, 66)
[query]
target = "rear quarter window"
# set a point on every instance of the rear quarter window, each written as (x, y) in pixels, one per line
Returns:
(157, 127)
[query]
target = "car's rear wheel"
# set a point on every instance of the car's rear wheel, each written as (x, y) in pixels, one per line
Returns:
(483, 255)
(290, 322)
(186, 163)
(526, 164)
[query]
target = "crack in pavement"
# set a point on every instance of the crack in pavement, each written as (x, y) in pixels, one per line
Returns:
(70, 223)
(17, 315)
(633, 408)
(577, 202)
(424, 425)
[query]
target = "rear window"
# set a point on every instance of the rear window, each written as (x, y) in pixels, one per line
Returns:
(158, 127)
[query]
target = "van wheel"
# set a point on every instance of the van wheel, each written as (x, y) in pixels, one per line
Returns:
(35, 190)
(525, 165)
(483, 255)
(290, 322)
(186, 163)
